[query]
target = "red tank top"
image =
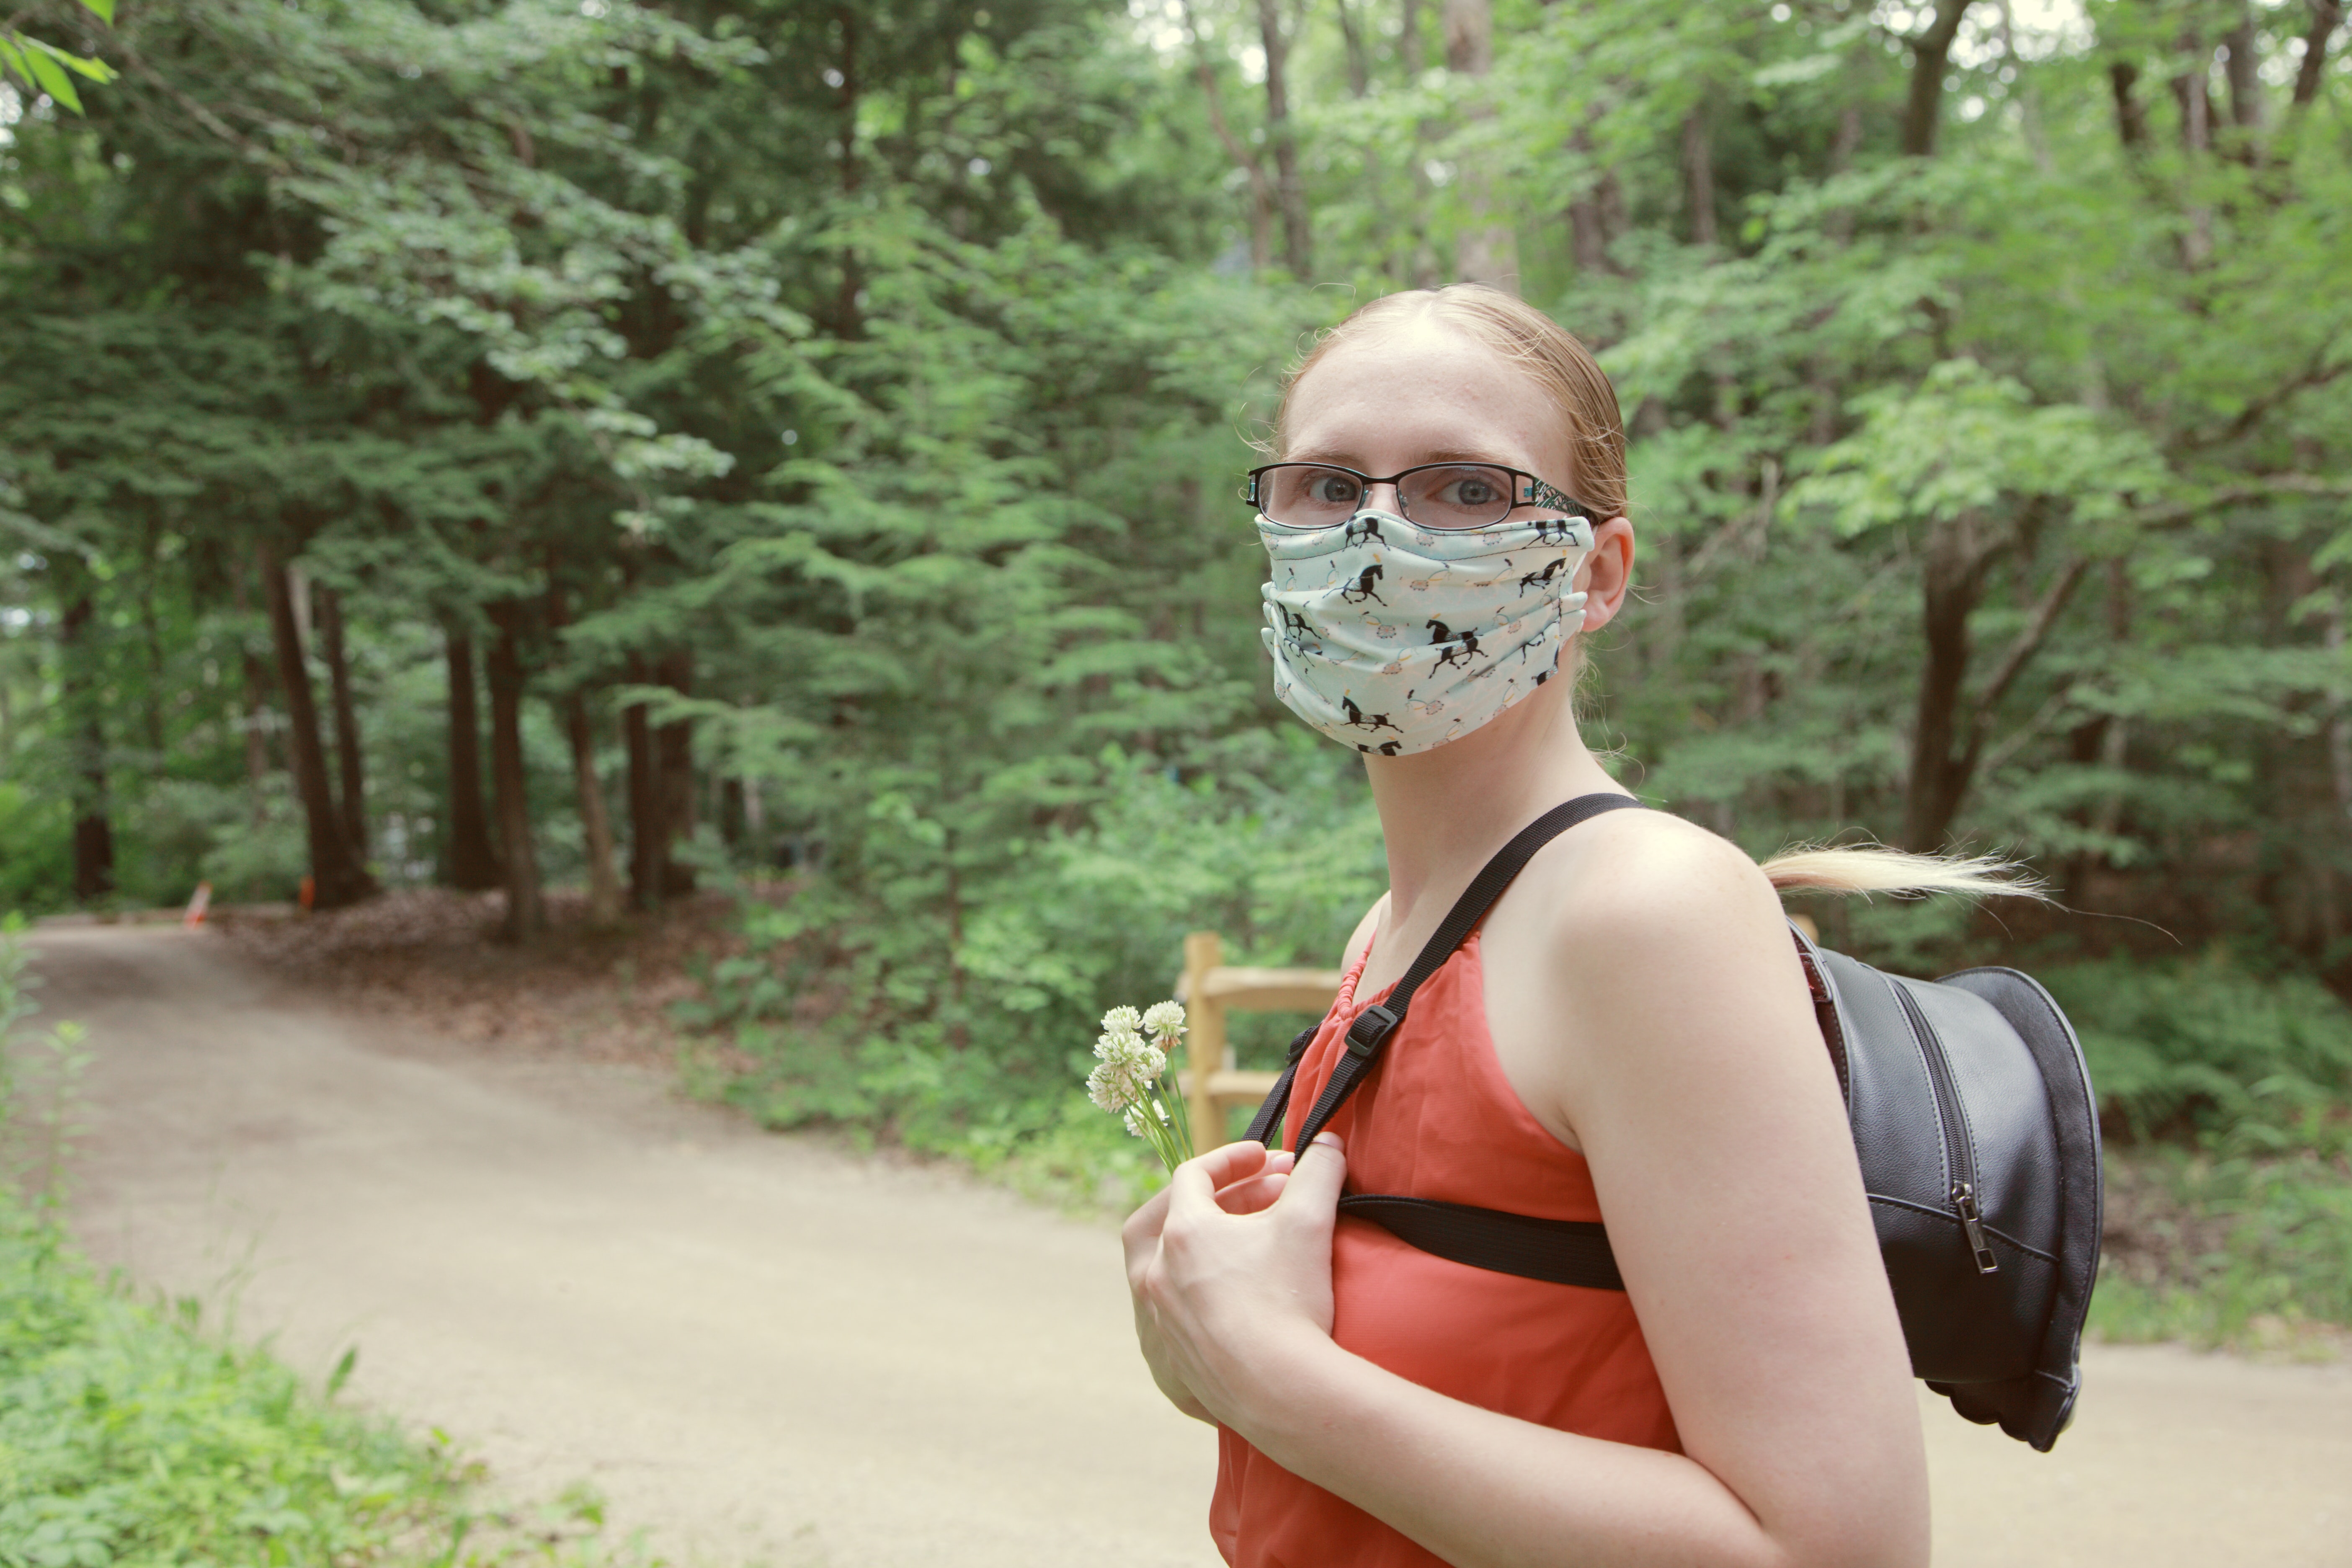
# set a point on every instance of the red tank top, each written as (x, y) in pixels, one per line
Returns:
(1438, 1120)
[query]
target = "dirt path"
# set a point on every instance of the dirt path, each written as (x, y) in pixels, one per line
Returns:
(761, 1347)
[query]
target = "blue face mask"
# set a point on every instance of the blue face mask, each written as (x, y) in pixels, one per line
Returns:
(1394, 638)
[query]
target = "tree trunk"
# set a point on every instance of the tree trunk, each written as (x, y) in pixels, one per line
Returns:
(1486, 251)
(1360, 64)
(2245, 86)
(526, 915)
(2327, 15)
(1245, 157)
(93, 825)
(337, 877)
(150, 624)
(1951, 583)
(1420, 266)
(353, 803)
(256, 713)
(1931, 54)
(674, 750)
(595, 824)
(2131, 114)
(603, 887)
(471, 853)
(1290, 194)
(1699, 173)
(648, 836)
(1596, 214)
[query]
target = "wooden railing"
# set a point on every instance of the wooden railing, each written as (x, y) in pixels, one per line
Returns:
(1210, 1082)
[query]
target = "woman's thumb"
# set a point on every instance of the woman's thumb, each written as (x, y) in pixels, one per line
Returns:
(1315, 1182)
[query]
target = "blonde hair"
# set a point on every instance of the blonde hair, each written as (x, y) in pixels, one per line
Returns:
(1524, 336)
(1576, 386)
(1875, 869)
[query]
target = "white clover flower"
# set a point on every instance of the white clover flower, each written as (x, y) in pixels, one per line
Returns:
(1165, 1020)
(1149, 1062)
(1119, 1045)
(1162, 1111)
(1109, 1089)
(1122, 1021)
(1134, 1123)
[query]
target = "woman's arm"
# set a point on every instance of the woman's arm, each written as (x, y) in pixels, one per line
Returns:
(1694, 1079)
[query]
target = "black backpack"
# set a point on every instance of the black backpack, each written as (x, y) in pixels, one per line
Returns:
(1978, 1139)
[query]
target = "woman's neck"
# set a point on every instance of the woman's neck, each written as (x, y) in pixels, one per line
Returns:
(1444, 812)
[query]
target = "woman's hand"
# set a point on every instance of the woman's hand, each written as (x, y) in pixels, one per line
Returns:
(1248, 1177)
(1231, 1268)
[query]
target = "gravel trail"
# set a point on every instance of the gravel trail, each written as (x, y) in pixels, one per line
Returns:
(764, 1348)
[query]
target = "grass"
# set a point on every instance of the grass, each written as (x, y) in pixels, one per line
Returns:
(2221, 1248)
(130, 1438)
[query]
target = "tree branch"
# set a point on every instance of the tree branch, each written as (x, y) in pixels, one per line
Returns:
(1931, 51)
(2029, 640)
(2317, 373)
(1244, 158)
(2327, 15)
(2270, 487)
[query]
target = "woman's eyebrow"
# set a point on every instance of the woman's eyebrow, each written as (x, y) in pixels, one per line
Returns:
(1441, 454)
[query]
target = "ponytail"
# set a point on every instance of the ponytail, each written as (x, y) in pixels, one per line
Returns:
(1875, 869)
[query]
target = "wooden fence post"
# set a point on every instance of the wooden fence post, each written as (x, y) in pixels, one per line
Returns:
(1204, 1019)
(1211, 1086)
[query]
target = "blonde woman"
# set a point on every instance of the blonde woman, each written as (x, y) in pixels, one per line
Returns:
(1628, 1033)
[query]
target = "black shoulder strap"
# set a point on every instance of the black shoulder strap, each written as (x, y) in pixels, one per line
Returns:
(1372, 1028)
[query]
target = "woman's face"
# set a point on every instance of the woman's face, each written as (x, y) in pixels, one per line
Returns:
(1422, 393)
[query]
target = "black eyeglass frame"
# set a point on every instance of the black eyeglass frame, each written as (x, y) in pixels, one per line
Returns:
(1535, 492)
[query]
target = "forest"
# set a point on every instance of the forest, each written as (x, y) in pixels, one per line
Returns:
(794, 446)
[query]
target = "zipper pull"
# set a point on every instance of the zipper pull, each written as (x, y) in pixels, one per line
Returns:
(1964, 1199)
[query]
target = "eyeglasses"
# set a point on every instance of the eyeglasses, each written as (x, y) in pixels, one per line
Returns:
(1435, 495)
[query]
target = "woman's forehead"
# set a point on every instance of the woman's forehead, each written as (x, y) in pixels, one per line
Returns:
(1422, 392)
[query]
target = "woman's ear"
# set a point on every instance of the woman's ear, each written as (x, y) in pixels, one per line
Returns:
(1607, 572)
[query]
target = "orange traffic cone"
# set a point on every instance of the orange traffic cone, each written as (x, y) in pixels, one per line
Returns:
(195, 919)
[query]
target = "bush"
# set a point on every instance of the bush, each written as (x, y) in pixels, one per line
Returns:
(1274, 845)
(2206, 1047)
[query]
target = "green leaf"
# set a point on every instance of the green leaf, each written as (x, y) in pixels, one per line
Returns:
(50, 76)
(102, 9)
(96, 70)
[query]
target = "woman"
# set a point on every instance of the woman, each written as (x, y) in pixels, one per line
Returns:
(1628, 1034)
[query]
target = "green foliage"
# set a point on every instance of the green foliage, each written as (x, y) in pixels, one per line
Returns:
(2246, 1246)
(2205, 1046)
(132, 1440)
(133, 1437)
(1276, 848)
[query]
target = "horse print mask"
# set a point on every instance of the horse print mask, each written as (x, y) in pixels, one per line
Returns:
(1394, 638)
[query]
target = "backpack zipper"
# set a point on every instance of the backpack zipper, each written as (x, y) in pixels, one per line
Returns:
(1959, 1150)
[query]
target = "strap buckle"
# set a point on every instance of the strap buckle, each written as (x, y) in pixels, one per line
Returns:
(1370, 1030)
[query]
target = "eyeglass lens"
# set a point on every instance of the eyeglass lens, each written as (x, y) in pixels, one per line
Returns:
(1465, 495)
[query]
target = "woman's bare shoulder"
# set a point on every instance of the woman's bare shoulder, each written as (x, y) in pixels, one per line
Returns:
(1634, 880)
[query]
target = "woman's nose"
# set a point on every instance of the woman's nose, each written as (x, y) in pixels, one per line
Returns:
(1372, 496)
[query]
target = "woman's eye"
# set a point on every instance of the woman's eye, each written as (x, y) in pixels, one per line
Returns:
(1472, 492)
(1333, 490)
